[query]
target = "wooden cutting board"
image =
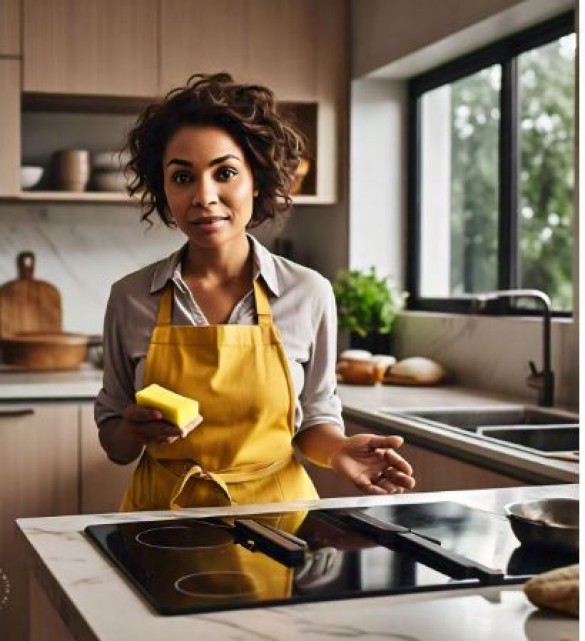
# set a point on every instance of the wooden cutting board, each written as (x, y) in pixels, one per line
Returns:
(27, 304)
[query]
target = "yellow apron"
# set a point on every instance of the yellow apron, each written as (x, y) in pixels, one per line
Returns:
(242, 452)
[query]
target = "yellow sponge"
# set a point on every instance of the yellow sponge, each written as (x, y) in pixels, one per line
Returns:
(175, 408)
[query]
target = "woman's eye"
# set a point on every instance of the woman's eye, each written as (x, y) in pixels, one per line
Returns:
(181, 177)
(226, 173)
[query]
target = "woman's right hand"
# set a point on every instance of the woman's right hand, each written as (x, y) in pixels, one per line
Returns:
(147, 426)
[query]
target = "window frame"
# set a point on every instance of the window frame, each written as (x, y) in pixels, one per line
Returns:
(505, 53)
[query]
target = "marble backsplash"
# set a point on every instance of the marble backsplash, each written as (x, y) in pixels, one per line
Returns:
(493, 353)
(82, 251)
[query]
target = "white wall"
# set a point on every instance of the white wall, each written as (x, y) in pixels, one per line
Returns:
(419, 33)
(377, 188)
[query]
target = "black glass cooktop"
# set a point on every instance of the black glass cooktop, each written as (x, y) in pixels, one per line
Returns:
(196, 565)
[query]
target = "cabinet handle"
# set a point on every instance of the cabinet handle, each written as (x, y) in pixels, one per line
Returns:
(14, 413)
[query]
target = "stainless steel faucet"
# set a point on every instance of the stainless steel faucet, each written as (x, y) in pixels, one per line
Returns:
(543, 381)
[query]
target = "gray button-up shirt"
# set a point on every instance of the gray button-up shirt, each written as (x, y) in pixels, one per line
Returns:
(303, 309)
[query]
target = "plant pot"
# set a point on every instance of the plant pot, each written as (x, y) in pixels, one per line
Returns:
(373, 342)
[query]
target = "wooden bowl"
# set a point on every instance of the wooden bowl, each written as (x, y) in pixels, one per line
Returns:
(44, 351)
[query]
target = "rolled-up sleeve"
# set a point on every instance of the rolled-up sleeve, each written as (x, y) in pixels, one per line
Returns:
(118, 383)
(319, 400)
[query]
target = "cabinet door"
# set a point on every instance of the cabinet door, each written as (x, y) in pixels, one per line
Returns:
(436, 472)
(9, 127)
(102, 482)
(39, 447)
(283, 46)
(295, 47)
(202, 36)
(94, 47)
(9, 27)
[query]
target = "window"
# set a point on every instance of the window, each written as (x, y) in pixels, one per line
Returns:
(491, 172)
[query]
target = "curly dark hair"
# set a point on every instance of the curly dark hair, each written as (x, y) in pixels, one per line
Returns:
(272, 146)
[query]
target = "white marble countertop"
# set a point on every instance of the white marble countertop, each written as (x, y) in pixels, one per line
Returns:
(99, 605)
(81, 384)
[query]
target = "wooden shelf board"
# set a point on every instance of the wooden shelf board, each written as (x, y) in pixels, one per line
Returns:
(73, 197)
(98, 197)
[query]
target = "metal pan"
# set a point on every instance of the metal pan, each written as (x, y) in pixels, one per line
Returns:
(550, 522)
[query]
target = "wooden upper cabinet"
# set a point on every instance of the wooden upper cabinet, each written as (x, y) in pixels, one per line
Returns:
(10, 127)
(202, 36)
(279, 43)
(10, 28)
(283, 47)
(94, 47)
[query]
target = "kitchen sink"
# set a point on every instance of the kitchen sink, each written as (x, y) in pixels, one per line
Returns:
(544, 431)
(473, 419)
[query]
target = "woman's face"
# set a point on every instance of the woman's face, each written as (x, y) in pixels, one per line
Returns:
(208, 185)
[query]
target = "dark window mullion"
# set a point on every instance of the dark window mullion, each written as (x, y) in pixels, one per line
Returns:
(413, 268)
(508, 276)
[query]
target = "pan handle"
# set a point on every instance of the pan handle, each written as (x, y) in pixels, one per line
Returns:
(25, 264)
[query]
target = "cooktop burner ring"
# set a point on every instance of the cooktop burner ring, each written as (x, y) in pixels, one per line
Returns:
(228, 574)
(142, 537)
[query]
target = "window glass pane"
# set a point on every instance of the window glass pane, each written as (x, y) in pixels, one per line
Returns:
(459, 186)
(547, 139)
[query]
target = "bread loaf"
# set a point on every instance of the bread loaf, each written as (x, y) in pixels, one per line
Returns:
(416, 370)
(555, 590)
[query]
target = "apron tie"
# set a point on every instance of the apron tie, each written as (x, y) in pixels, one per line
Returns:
(221, 478)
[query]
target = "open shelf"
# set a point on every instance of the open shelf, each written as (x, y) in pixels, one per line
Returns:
(50, 123)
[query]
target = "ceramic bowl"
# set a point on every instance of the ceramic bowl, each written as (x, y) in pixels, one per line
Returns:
(110, 181)
(112, 160)
(30, 176)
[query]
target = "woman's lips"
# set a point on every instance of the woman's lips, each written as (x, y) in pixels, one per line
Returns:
(209, 223)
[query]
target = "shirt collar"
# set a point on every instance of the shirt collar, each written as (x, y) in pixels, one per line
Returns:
(264, 266)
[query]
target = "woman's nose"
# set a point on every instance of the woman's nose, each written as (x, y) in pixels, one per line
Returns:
(205, 193)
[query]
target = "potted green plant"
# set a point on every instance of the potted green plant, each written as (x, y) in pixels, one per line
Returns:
(367, 305)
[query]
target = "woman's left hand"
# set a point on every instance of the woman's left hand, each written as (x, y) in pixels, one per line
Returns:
(372, 464)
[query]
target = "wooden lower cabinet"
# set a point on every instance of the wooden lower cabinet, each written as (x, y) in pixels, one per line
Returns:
(52, 464)
(39, 446)
(102, 482)
(433, 471)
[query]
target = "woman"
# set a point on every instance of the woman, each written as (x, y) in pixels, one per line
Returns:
(248, 334)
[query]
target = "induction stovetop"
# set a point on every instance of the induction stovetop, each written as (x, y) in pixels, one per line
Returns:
(205, 564)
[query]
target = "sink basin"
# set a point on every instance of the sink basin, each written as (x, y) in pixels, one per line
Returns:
(473, 419)
(544, 438)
